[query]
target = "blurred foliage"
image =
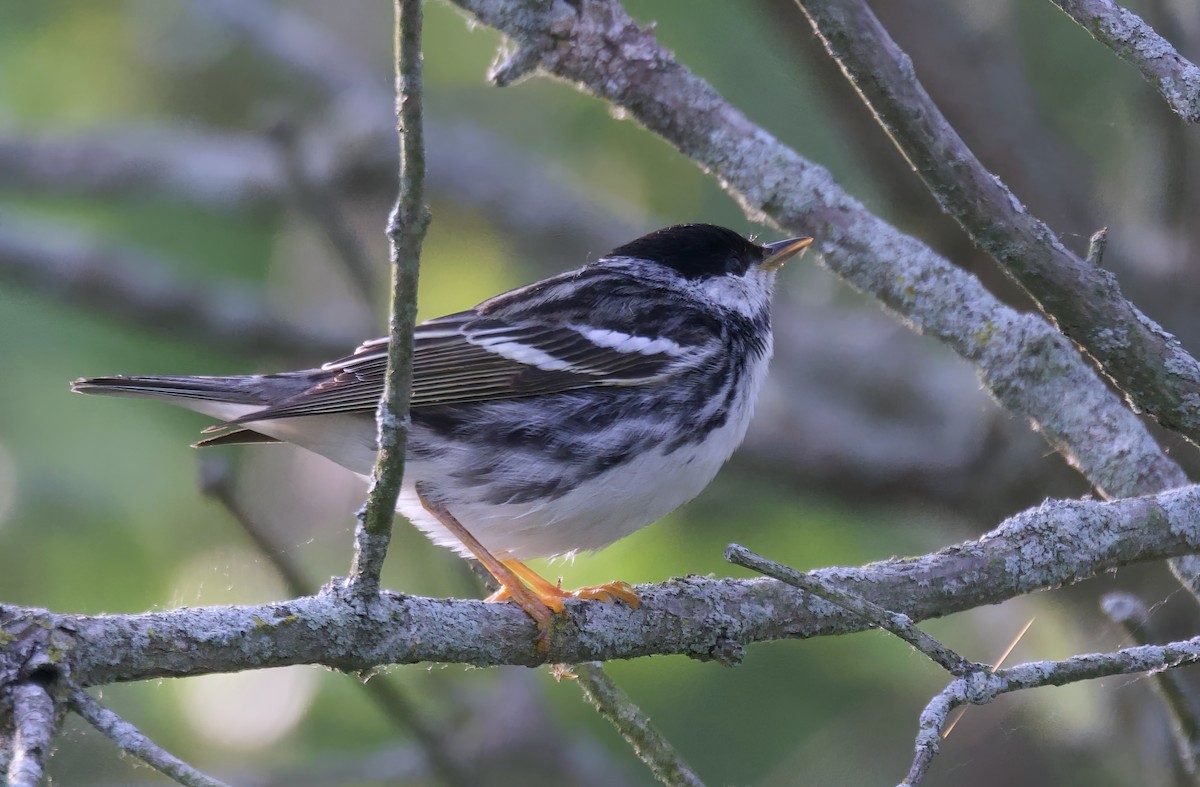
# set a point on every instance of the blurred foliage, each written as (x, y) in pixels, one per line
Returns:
(100, 509)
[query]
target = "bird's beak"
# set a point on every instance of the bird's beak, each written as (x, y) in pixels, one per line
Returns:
(779, 252)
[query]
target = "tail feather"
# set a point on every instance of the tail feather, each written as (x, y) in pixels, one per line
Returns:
(231, 390)
(236, 437)
(224, 398)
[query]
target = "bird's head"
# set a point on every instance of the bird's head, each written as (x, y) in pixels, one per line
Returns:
(711, 262)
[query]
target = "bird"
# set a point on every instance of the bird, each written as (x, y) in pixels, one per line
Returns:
(552, 419)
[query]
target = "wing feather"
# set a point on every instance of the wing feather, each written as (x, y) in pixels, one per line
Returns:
(494, 352)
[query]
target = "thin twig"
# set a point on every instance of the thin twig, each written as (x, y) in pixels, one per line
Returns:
(895, 622)
(981, 688)
(1175, 78)
(35, 722)
(406, 231)
(1147, 363)
(1131, 613)
(216, 481)
(648, 743)
(134, 742)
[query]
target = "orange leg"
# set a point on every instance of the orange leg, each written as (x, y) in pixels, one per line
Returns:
(546, 590)
(538, 608)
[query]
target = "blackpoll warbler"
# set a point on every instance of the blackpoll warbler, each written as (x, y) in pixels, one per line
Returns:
(554, 418)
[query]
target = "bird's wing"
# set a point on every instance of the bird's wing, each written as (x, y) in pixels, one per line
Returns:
(473, 356)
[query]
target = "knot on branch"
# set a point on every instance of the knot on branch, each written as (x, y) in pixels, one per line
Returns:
(550, 39)
(726, 651)
(980, 687)
(33, 649)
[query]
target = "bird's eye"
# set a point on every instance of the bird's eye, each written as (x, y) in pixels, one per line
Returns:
(735, 265)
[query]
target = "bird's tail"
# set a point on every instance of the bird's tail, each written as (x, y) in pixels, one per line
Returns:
(245, 390)
(223, 398)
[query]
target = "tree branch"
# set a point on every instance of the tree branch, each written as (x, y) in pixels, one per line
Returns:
(1027, 365)
(1057, 543)
(980, 688)
(647, 742)
(35, 722)
(136, 288)
(1175, 77)
(897, 623)
(1085, 301)
(406, 231)
(136, 743)
(1131, 614)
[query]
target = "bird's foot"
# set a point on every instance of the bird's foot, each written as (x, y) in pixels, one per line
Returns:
(609, 591)
(551, 594)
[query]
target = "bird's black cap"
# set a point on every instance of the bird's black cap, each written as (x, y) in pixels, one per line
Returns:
(696, 251)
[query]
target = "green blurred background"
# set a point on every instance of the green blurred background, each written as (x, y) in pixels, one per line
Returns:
(870, 442)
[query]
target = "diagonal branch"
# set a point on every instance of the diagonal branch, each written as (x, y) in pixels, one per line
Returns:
(136, 743)
(894, 622)
(406, 231)
(315, 198)
(1027, 365)
(1175, 77)
(648, 743)
(1085, 301)
(1131, 613)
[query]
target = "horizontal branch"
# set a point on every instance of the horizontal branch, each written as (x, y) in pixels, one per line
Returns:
(469, 166)
(129, 284)
(1053, 544)
(980, 688)
(1175, 77)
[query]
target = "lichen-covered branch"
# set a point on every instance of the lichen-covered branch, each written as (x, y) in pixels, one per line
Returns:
(1027, 365)
(1175, 77)
(980, 688)
(1056, 543)
(35, 722)
(1085, 301)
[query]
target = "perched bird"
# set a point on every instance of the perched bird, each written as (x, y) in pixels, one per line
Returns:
(554, 418)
